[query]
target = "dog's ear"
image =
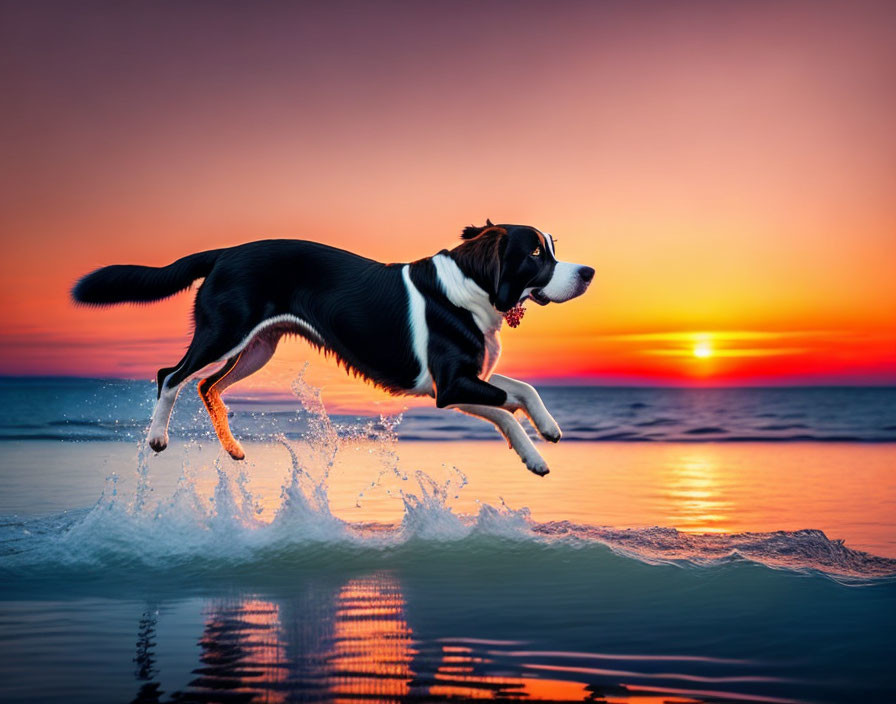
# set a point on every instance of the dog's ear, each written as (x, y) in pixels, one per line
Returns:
(513, 276)
(471, 232)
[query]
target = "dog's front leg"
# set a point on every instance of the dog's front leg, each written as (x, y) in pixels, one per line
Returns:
(521, 396)
(512, 431)
(476, 397)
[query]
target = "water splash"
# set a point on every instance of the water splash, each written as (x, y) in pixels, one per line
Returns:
(427, 514)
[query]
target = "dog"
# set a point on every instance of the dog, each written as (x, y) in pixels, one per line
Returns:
(425, 328)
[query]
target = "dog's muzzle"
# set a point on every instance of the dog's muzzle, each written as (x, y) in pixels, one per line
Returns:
(568, 282)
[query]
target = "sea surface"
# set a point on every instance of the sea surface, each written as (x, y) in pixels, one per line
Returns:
(733, 545)
(96, 409)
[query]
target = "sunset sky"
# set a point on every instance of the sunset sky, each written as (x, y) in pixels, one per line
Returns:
(729, 169)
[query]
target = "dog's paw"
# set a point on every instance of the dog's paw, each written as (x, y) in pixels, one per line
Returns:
(552, 434)
(235, 450)
(537, 465)
(158, 443)
(549, 430)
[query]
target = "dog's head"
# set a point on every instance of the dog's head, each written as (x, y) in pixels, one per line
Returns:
(516, 262)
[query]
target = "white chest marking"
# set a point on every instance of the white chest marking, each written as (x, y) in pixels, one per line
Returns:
(465, 293)
(419, 332)
(492, 354)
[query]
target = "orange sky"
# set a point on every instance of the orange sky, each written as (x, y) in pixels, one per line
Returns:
(728, 168)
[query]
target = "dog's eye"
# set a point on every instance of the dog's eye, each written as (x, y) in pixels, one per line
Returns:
(536, 252)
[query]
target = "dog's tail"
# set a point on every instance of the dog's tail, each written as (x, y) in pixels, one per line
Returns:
(140, 284)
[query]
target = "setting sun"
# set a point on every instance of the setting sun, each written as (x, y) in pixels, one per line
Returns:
(702, 350)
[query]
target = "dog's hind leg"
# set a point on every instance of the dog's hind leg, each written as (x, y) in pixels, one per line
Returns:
(158, 429)
(207, 347)
(253, 357)
(512, 431)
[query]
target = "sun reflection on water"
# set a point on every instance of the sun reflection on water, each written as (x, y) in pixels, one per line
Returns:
(694, 493)
(372, 647)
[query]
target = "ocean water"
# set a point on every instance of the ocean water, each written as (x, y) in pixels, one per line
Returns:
(90, 409)
(400, 560)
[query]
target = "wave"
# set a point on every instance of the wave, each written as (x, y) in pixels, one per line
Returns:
(109, 541)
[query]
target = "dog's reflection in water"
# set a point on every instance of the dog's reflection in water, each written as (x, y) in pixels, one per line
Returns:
(347, 644)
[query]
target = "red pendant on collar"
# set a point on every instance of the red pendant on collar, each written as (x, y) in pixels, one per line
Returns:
(515, 315)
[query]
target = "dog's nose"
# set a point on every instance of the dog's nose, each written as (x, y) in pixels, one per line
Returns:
(586, 273)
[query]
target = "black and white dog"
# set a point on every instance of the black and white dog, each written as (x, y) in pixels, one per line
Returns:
(425, 328)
